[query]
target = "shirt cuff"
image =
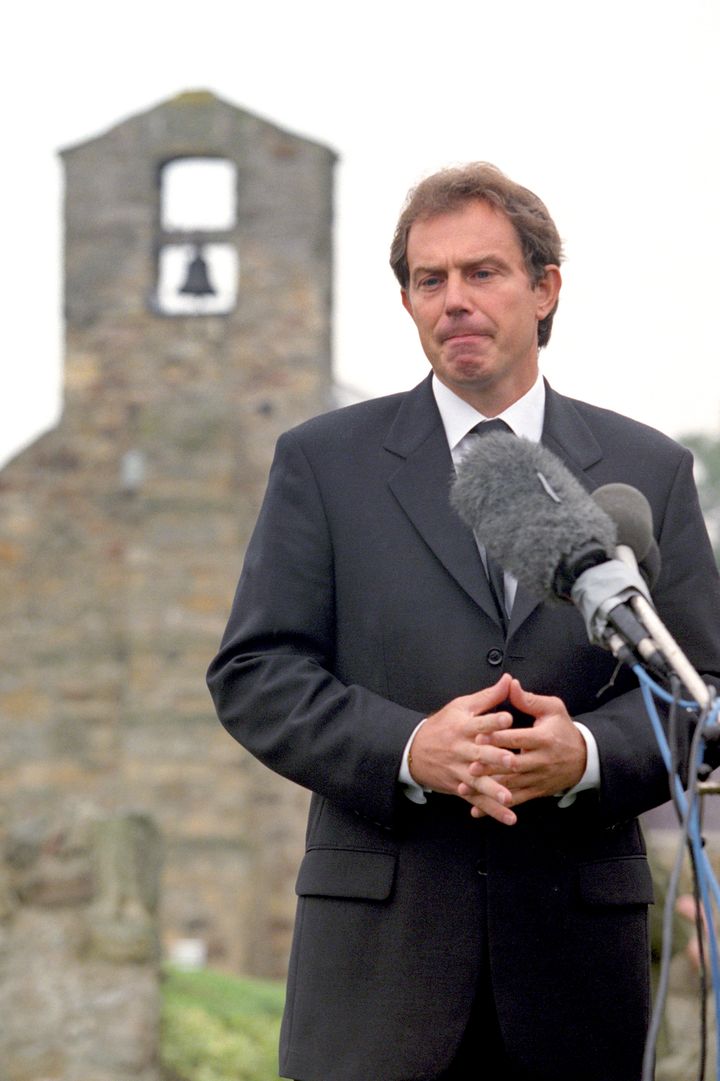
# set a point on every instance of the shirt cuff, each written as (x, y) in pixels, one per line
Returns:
(591, 776)
(412, 789)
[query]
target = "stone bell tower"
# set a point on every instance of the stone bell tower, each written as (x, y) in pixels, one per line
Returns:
(197, 298)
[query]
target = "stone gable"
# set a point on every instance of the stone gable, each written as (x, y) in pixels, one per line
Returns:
(122, 530)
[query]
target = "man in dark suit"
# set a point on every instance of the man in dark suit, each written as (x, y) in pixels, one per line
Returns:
(475, 889)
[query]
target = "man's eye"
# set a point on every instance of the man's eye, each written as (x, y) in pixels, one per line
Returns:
(482, 274)
(428, 283)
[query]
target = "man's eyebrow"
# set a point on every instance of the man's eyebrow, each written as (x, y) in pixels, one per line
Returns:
(482, 260)
(489, 258)
(418, 271)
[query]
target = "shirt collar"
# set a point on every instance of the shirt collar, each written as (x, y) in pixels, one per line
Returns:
(525, 416)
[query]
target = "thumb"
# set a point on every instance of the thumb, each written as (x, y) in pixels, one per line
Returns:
(525, 700)
(482, 701)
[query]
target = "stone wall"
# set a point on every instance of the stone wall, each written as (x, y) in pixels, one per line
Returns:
(79, 949)
(122, 531)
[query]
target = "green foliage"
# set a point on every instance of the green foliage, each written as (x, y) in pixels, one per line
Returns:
(706, 449)
(216, 1027)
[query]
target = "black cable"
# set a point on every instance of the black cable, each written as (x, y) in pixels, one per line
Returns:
(648, 1071)
(695, 801)
(676, 688)
(673, 884)
(702, 965)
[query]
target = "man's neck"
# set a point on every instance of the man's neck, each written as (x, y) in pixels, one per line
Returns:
(491, 401)
(525, 416)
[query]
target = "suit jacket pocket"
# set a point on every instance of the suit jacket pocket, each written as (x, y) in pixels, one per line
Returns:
(346, 872)
(623, 881)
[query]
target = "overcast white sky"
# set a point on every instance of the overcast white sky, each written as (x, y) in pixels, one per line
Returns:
(609, 112)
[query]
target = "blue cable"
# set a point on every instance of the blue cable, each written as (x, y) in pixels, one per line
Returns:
(707, 882)
(648, 688)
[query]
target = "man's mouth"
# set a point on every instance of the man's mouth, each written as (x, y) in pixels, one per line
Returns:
(461, 334)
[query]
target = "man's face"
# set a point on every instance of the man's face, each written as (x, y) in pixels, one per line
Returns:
(474, 306)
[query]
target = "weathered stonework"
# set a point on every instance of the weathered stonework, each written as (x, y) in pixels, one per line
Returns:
(79, 949)
(122, 531)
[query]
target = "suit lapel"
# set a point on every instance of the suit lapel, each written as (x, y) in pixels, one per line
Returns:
(568, 437)
(566, 434)
(422, 482)
(421, 485)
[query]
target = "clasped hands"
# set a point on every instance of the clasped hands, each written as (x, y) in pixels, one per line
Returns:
(469, 749)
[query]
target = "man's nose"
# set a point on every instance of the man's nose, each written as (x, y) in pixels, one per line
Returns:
(457, 297)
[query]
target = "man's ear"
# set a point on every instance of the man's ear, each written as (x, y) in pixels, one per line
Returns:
(547, 290)
(406, 302)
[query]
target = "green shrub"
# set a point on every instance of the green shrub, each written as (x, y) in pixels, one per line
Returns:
(216, 1027)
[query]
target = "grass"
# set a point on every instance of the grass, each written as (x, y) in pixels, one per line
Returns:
(217, 1027)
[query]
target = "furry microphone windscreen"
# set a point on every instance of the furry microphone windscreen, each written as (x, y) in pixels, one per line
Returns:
(528, 510)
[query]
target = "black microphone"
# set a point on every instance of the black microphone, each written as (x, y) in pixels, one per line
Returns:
(632, 515)
(537, 520)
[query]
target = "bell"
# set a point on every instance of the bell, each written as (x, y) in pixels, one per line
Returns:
(197, 283)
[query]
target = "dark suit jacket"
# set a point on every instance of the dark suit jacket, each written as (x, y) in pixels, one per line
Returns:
(361, 608)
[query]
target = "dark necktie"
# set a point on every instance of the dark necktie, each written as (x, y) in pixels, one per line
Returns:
(495, 573)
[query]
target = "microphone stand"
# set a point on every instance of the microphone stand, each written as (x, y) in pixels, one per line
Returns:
(671, 651)
(664, 641)
(707, 706)
(688, 811)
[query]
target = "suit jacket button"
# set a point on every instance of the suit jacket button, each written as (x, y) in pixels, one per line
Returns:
(495, 657)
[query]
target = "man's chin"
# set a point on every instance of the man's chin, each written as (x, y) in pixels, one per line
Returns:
(468, 371)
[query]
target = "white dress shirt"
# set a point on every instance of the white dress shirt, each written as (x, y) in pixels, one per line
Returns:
(525, 417)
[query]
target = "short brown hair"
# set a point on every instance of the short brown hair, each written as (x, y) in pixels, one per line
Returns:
(451, 188)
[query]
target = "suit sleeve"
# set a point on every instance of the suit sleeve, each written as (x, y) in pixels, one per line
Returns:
(687, 597)
(272, 681)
